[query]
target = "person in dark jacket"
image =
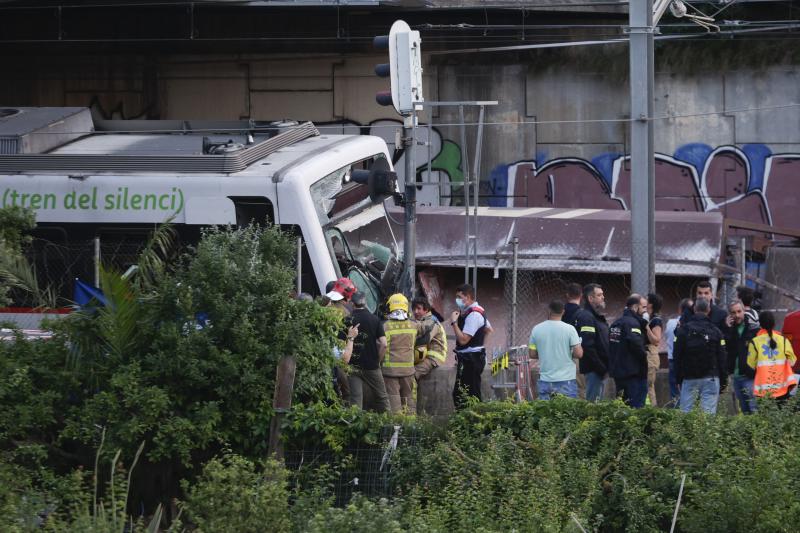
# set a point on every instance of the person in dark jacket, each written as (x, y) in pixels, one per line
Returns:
(716, 315)
(572, 304)
(628, 356)
(700, 360)
(593, 330)
(571, 308)
(740, 333)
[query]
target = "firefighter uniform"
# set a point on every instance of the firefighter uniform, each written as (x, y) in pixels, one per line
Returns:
(398, 365)
(430, 349)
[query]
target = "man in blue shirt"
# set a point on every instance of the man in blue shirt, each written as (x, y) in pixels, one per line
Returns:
(555, 343)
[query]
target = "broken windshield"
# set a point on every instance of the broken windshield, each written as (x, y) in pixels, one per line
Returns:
(343, 207)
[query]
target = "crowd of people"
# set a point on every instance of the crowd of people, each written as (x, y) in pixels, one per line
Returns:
(578, 350)
(388, 357)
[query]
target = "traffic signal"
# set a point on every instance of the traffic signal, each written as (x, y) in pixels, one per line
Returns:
(404, 68)
(380, 180)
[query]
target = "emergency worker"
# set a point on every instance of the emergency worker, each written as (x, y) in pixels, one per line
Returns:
(771, 355)
(628, 356)
(470, 327)
(345, 288)
(398, 365)
(430, 348)
(593, 330)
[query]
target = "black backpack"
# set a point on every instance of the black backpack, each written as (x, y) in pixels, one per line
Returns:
(700, 351)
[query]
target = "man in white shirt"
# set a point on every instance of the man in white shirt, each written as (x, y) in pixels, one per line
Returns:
(470, 327)
(555, 343)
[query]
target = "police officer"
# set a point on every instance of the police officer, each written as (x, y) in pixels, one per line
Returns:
(470, 327)
(628, 356)
(700, 360)
(430, 349)
(398, 365)
(593, 330)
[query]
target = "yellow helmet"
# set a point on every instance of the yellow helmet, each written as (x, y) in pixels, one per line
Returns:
(398, 301)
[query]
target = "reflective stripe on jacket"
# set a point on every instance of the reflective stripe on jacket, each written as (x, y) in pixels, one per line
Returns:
(400, 338)
(431, 341)
(774, 376)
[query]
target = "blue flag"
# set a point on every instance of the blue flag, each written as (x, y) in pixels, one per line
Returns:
(85, 293)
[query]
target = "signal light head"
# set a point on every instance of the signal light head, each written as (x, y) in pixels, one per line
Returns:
(380, 180)
(381, 42)
(383, 70)
(384, 98)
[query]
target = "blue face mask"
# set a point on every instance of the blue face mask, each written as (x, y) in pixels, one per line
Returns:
(460, 303)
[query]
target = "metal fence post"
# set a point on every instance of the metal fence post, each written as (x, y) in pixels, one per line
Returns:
(299, 265)
(743, 261)
(97, 262)
(514, 258)
(465, 170)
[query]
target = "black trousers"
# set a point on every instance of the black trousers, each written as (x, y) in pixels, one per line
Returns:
(469, 367)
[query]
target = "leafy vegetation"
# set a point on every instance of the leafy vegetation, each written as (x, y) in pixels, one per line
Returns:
(182, 358)
(175, 376)
(549, 466)
(15, 272)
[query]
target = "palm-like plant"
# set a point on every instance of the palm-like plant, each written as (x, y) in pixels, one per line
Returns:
(109, 334)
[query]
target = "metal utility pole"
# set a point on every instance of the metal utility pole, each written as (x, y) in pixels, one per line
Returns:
(410, 233)
(642, 159)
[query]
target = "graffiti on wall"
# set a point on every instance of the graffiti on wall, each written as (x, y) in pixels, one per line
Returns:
(748, 183)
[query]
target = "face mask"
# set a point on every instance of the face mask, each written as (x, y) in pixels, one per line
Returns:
(459, 303)
(646, 316)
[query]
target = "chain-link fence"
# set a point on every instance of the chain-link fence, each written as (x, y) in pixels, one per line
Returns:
(366, 470)
(530, 284)
(57, 265)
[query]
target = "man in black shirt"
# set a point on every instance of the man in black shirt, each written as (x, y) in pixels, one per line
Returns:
(369, 348)
(718, 316)
(593, 330)
(627, 354)
(571, 308)
(573, 303)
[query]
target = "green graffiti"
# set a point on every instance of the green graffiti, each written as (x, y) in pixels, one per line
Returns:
(448, 160)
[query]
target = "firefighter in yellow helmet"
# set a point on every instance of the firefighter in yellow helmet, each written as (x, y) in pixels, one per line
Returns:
(398, 365)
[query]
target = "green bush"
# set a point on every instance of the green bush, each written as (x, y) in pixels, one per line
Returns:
(549, 466)
(185, 362)
(236, 495)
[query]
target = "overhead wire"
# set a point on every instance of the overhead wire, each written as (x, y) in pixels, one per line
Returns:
(342, 126)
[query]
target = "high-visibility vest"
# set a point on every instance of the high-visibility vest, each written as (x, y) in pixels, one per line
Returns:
(773, 366)
(431, 341)
(400, 337)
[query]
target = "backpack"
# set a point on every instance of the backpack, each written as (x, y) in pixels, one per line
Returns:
(700, 351)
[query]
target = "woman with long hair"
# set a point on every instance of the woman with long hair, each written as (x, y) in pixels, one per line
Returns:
(772, 357)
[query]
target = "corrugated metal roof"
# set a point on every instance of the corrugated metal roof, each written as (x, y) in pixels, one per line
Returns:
(576, 240)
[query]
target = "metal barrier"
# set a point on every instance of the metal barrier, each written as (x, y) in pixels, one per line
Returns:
(511, 373)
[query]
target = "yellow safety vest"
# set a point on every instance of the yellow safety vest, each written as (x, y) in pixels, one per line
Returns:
(774, 375)
(400, 337)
